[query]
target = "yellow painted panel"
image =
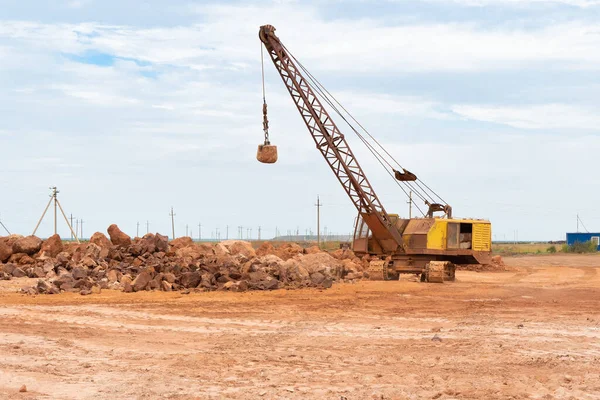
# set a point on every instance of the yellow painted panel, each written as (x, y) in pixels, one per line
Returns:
(482, 237)
(436, 237)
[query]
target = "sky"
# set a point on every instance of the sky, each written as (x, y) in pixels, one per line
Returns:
(133, 107)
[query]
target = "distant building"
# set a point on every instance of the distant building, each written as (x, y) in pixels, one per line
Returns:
(581, 237)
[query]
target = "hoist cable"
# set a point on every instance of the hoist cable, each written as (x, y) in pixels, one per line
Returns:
(347, 112)
(262, 66)
(320, 90)
(327, 96)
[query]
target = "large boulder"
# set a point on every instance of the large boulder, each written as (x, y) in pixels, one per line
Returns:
(190, 279)
(100, 239)
(343, 254)
(5, 252)
(240, 247)
(321, 262)
(194, 251)
(220, 250)
(28, 245)
(181, 242)
(142, 280)
(161, 242)
(312, 250)
(288, 250)
(51, 246)
(118, 237)
(264, 249)
(151, 243)
(295, 272)
(10, 239)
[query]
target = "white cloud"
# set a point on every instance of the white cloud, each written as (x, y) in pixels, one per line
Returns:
(227, 40)
(523, 3)
(542, 116)
(78, 3)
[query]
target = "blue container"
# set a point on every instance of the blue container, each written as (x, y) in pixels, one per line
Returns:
(581, 237)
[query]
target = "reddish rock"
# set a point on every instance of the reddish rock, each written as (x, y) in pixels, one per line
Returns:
(51, 246)
(28, 245)
(264, 249)
(240, 247)
(343, 254)
(141, 281)
(26, 260)
(219, 250)
(288, 250)
(79, 273)
(127, 288)
(100, 240)
(8, 268)
(312, 250)
(317, 278)
(190, 279)
(181, 242)
(10, 239)
(118, 237)
(193, 252)
(169, 277)
(162, 243)
(113, 275)
(5, 252)
(63, 258)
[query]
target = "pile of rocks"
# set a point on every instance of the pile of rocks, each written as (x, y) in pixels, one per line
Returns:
(153, 263)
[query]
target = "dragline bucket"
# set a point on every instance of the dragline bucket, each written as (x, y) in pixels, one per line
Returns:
(266, 153)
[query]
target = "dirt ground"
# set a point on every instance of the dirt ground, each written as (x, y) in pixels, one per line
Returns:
(529, 333)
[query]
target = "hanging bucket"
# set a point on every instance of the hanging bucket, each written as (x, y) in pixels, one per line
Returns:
(266, 153)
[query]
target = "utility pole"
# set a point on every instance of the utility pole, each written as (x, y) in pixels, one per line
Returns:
(318, 205)
(71, 225)
(410, 205)
(54, 193)
(138, 229)
(77, 226)
(172, 214)
(54, 197)
(147, 226)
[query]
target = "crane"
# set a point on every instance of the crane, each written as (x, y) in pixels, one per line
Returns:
(430, 246)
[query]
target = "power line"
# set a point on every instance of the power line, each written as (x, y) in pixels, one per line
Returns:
(580, 221)
(5, 228)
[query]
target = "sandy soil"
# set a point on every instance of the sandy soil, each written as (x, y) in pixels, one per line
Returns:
(532, 332)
